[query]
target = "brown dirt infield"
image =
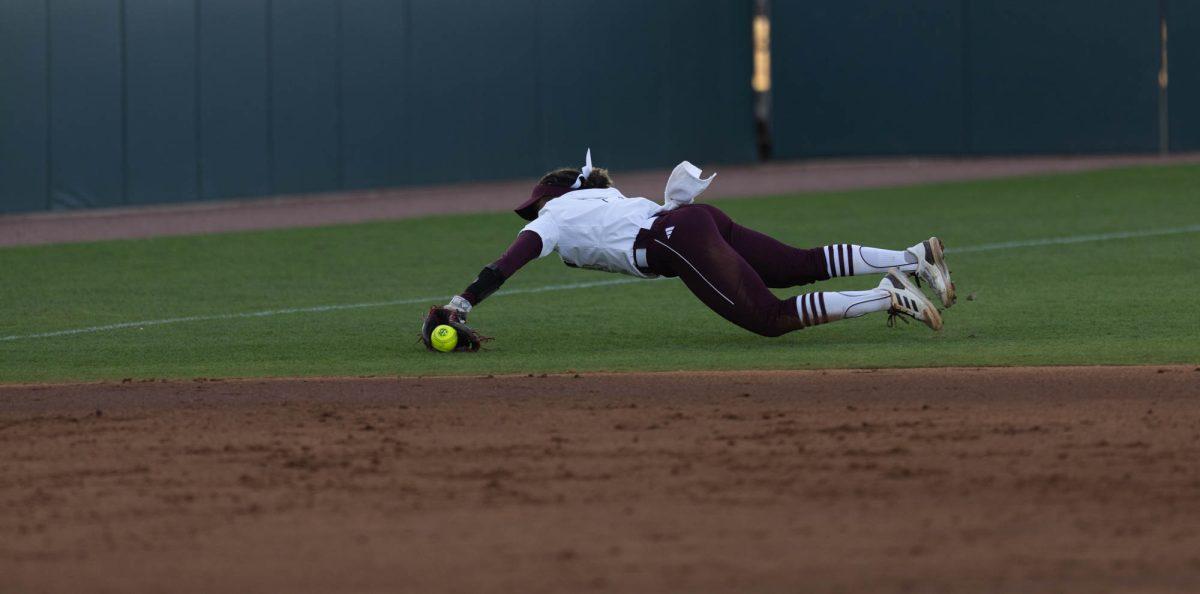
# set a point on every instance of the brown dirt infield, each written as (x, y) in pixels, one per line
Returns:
(945, 480)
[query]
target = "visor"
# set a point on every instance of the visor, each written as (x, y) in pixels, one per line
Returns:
(528, 209)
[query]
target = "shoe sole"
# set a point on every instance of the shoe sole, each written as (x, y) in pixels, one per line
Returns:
(939, 260)
(933, 318)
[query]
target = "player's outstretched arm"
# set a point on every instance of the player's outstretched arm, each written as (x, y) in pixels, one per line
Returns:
(451, 320)
(525, 249)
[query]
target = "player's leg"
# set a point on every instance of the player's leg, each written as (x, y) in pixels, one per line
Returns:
(781, 265)
(895, 295)
(778, 264)
(727, 284)
(926, 260)
(688, 245)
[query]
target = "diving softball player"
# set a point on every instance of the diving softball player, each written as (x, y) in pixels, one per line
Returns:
(578, 214)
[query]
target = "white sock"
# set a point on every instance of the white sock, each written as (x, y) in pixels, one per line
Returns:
(847, 259)
(828, 306)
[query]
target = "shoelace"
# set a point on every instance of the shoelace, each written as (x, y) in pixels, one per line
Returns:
(895, 314)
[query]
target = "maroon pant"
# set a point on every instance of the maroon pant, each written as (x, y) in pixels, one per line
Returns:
(730, 267)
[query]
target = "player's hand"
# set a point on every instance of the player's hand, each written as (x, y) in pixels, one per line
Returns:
(460, 306)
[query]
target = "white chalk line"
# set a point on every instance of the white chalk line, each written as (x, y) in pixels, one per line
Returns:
(1008, 245)
(987, 247)
(316, 309)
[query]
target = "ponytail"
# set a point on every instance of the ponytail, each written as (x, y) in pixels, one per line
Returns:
(565, 177)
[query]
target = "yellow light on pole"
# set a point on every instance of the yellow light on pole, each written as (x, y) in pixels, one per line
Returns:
(761, 82)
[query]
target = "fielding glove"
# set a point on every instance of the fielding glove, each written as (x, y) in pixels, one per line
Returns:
(469, 340)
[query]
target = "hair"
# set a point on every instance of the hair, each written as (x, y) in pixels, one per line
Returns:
(565, 177)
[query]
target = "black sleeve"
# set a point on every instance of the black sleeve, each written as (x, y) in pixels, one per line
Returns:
(489, 279)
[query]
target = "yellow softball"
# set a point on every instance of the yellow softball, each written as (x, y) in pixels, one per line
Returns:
(444, 338)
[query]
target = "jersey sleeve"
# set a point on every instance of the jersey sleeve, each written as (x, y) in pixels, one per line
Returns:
(547, 229)
(526, 248)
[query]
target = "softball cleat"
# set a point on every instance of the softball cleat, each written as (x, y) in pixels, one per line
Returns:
(931, 268)
(908, 301)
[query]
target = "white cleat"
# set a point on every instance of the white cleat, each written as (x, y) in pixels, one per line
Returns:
(931, 268)
(908, 300)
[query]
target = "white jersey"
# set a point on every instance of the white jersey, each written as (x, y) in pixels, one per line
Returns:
(594, 229)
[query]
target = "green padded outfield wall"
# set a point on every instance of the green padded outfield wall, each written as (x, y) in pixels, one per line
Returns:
(86, 136)
(120, 102)
(160, 101)
(964, 76)
(1184, 83)
(1063, 76)
(867, 77)
(24, 166)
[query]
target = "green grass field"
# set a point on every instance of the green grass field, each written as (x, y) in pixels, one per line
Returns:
(1119, 301)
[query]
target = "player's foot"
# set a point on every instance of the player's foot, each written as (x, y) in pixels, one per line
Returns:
(931, 268)
(908, 300)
